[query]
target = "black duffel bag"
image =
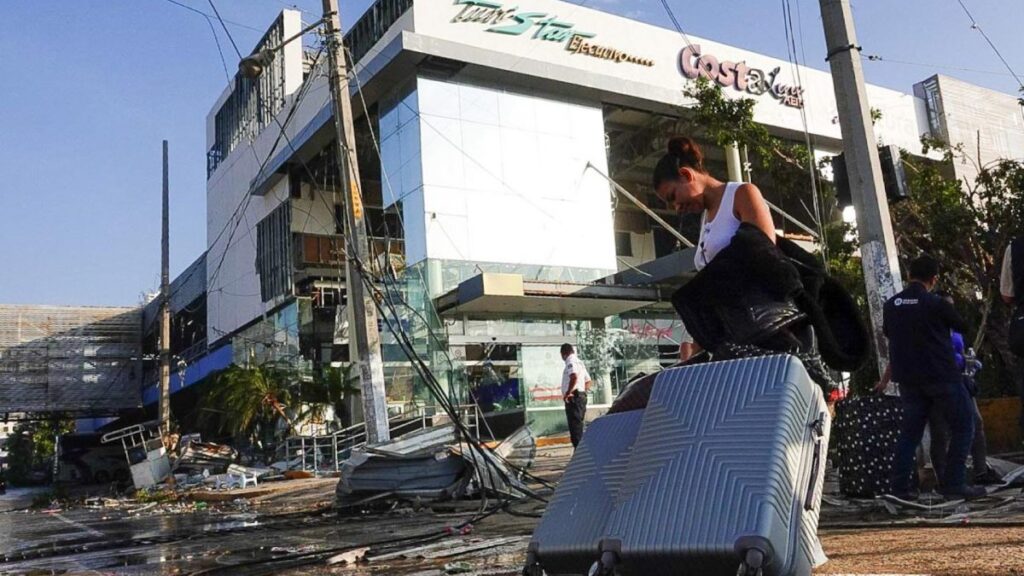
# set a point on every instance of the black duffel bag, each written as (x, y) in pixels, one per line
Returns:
(865, 433)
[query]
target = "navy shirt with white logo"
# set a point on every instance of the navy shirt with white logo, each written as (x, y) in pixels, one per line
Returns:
(918, 324)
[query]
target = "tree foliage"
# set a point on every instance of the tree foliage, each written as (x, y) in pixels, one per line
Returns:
(966, 226)
(725, 121)
(31, 447)
(246, 400)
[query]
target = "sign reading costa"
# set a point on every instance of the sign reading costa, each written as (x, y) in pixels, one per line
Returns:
(739, 76)
(515, 22)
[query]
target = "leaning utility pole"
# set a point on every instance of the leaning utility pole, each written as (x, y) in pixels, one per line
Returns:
(364, 333)
(164, 405)
(874, 226)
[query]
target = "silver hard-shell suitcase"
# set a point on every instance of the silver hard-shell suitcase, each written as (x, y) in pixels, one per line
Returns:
(724, 476)
(567, 539)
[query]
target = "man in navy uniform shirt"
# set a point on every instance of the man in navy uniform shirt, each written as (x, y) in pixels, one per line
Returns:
(918, 324)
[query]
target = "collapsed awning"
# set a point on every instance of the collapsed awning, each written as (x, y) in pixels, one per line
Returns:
(511, 294)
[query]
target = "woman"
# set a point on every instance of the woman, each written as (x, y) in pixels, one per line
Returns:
(743, 301)
(753, 294)
(682, 182)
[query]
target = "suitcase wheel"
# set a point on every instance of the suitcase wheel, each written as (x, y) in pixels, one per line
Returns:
(533, 570)
(606, 566)
(752, 564)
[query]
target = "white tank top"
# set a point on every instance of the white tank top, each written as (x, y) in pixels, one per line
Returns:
(716, 235)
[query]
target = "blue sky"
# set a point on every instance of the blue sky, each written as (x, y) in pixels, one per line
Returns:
(90, 88)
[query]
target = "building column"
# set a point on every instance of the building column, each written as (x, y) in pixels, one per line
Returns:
(733, 163)
(602, 374)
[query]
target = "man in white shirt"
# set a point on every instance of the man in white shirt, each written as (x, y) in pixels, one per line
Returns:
(575, 383)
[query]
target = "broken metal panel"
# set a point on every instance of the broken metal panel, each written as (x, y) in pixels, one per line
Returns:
(189, 286)
(81, 360)
(274, 253)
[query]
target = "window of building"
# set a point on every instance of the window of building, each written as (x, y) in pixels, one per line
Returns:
(623, 244)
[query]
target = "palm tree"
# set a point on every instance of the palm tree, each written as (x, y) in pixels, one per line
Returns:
(246, 397)
(249, 396)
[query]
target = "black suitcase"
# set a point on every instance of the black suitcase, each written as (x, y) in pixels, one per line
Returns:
(867, 428)
(726, 471)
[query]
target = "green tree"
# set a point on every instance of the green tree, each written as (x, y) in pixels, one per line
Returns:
(245, 398)
(31, 447)
(967, 226)
(786, 166)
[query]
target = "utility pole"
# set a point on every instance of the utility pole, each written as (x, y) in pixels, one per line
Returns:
(164, 405)
(874, 226)
(364, 334)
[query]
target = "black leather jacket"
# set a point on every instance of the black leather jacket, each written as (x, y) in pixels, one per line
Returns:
(754, 290)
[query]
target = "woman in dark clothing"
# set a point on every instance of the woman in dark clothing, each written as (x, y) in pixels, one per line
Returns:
(754, 294)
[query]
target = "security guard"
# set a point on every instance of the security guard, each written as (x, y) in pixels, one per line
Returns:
(918, 324)
(575, 383)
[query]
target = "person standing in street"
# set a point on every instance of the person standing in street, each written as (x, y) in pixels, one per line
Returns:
(969, 366)
(575, 383)
(918, 325)
(1011, 287)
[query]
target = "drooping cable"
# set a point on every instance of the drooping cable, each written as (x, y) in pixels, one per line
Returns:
(794, 60)
(226, 31)
(976, 26)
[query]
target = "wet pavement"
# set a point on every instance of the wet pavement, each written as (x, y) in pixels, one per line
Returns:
(292, 530)
(289, 531)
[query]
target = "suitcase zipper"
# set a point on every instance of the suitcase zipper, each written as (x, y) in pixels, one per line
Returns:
(818, 427)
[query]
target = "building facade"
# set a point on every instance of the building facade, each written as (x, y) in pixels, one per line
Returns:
(989, 125)
(485, 133)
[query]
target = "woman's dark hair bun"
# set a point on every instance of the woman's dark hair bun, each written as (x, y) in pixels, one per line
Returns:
(687, 151)
(677, 145)
(682, 152)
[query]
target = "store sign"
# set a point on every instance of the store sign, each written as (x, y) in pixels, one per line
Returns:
(544, 26)
(739, 76)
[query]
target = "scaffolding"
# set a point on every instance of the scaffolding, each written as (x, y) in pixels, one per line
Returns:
(80, 360)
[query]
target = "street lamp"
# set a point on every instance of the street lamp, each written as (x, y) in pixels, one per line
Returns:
(253, 65)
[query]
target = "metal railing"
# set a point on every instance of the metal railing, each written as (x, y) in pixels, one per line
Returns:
(145, 436)
(331, 449)
(316, 452)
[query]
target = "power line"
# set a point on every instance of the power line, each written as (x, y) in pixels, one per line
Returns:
(217, 12)
(976, 26)
(675, 22)
(794, 61)
(879, 58)
(234, 220)
(191, 9)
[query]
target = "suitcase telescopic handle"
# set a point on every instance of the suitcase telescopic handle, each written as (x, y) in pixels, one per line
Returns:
(818, 426)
